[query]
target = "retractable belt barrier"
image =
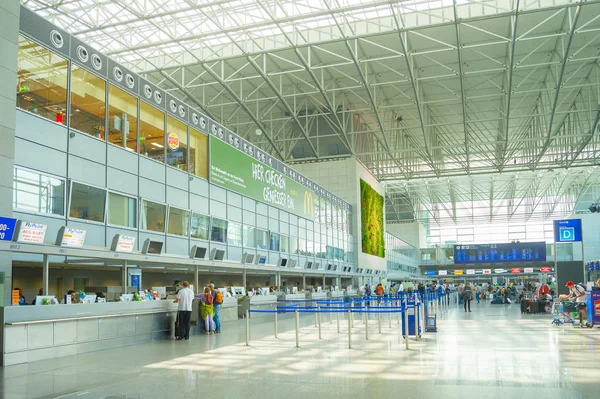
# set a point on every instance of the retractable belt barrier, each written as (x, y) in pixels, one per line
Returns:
(355, 306)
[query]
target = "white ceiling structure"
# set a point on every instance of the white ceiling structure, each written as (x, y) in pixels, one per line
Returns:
(478, 110)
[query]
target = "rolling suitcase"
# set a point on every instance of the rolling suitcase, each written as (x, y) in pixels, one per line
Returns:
(525, 306)
(534, 306)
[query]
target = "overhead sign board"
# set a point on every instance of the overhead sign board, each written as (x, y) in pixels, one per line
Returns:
(122, 243)
(487, 271)
(430, 272)
(500, 253)
(7, 228)
(68, 237)
(30, 233)
(470, 271)
(443, 272)
(528, 270)
(499, 271)
(458, 272)
(515, 270)
(545, 269)
(568, 230)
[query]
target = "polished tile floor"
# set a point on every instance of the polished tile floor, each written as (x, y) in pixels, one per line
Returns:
(493, 352)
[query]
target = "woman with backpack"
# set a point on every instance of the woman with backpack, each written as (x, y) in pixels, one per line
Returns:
(467, 296)
(207, 311)
(217, 301)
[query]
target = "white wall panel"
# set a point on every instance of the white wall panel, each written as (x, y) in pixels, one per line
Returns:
(249, 204)
(218, 193)
(234, 214)
(249, 218)
(152, 170)
(35, 156)
(199, 186)
(234, 199)
(152, 190)
(199, 204)
(87, 147)
(122, 159)
(122, 181)
(262, 222)
(177, 246)
(218, 209)
(84, 171)
(177, 198)
(177, 178)
(41, 131)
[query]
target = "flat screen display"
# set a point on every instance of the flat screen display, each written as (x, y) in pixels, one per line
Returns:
(200, 252)
(262, 260)
(152, 247)
(283, 262)
(568, 230)
(500, 253)
(218, 254)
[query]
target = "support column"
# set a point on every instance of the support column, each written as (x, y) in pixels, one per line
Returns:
(197, 280)
(124, 277)
(323, 281)
(278, 281)
(45, 274)
(304, 282)
(244, 279)
(9, 39)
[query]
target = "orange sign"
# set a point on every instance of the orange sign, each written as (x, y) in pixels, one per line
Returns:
(173, 142)
(458, 272)
(15, 297)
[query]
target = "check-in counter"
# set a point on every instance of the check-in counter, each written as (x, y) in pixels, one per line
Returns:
(263, 302)
(352, 293)
(293, 297)
(44, 332)
(336, 294)
(317, 296)
(229, 309)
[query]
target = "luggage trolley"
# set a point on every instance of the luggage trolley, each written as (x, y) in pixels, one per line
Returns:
(560, 312)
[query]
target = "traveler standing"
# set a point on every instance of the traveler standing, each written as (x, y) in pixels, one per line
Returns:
(217, 301)
(207, 311)
(459, 290)
(467, 296)
(478, 294)
(184, 299)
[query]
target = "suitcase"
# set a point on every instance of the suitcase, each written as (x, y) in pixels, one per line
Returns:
(525, 306)
(535, 307)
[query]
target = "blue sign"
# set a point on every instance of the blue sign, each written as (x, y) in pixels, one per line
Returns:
(568, 230)
(500, 253)
(430, 272)
(7, 228)
(135, 281)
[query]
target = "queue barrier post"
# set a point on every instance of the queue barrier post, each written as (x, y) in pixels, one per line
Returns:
(275, 323)
(319, 320)
(349, 329)
(337, 316)
(247, 328)
(366, 318)
(297, 317)
(406, 327)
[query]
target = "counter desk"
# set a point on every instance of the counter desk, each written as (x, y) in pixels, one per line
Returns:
(336, 294)
(229, 309)
(44, 332)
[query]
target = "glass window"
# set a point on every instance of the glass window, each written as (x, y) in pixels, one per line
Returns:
(34, 192)
(274, 242)
(122, 118)
(262, 239)
(179, 221)
(198, 154)
(218, 230)
(302, 246)
(152, 133)
(41, 81)
(152, 216)
(285, 243)
(234, 234)
(200, 226)
(176, 144)
(294, 245)
(248, 237)
(122, 210)
(87, 202)
(88, 93)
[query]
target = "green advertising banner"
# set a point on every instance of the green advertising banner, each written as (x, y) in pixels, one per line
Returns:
(236, 171)
(371, 214)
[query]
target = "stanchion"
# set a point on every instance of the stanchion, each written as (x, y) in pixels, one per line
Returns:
(319, 320)
(275, 324)
(379, 321)
(337, 316)
(406, 327)
(390, 316)
(297, 328)
(247, 328)
(417, 320)
(349, 329)
(366, 326)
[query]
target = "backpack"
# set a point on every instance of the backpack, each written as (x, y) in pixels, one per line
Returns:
(218, 297)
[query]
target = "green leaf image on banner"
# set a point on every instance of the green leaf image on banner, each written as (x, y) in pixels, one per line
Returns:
(371, 215)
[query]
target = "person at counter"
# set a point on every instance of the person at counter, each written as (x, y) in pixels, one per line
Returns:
(40, 293)
(22, 300)
(184, 299)
(73, 296)
(217, 301)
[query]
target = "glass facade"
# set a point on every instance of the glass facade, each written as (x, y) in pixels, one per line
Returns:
(401, 256)
(42, 81)
(108, 113)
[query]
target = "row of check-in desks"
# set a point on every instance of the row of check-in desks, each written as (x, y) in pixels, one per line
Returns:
(33, 333)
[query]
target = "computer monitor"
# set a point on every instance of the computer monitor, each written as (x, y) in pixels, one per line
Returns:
(294, 290)
(198, 252)
(265, 290)
(44, 300)
(319, 289)
(127, 297)
(282, 262)
(329, 266)
(308, 265)
(292, 263)
(152, 247)
(247, 257)
(90, 298)
(261, 259)
(316, 266)
(217, 254)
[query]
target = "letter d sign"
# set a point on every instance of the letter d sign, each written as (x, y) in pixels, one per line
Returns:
(567, 234)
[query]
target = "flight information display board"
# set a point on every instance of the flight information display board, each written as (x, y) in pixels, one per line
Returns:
(500, 253)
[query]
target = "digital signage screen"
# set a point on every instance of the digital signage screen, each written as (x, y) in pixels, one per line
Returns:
(568, 230)
(500, 253)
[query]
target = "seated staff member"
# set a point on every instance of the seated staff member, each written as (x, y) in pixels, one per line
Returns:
(577, 293)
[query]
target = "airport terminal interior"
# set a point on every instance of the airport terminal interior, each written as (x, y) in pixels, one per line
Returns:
(299, 198)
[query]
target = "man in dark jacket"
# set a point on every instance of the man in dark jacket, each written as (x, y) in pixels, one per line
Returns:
(467, 296)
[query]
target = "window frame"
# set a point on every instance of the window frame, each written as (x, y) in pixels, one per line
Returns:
(210, 237)
(209, 230)
(138, 110)
(189, 223)
(137, 209)
(140, 205)
(69, 99)
(65, 186)
(68, 215)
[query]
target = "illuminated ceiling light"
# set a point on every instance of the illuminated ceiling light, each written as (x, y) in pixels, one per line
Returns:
(157, 145)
